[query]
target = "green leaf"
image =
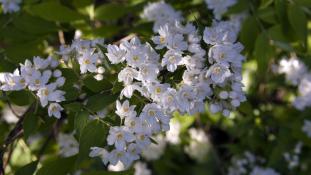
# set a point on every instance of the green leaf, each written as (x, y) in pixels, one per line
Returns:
(28, 169)
(263, 52)
(73, 107)
(34, 25)
(18, 53)
(54, 11)
(94, 134)
(298, 21)
(100, 101)
(21, 98)
(249, 32)
(30, 124)
(111, 11)
(96, 86)
(59, 166)
(80, 121)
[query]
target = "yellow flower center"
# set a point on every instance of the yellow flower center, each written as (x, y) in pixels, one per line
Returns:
(22, 81)
(37, 81)
(119, 136)
(216, 70)
(46, 92)
(136, 58)
(172, 59)
(162, 39)
(158, 90)
(151, 112)
(86, 61)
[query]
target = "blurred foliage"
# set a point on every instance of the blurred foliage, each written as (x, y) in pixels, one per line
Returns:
(266, 124)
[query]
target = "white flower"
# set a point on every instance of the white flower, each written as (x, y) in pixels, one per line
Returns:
(219, 7)
(41, 63)
(88, 61)
(10, 6)
(127, 75)
(68, 145)
(12, 82)
(115, 54)
(141, 169)
(172, 136)
(125, 110)
(165, 35)
(156, 90)
(218, 72)
(55, 110)
(148, 72)
(119, 136)
(226, 53)
(142, 140)
(117, 168)
(135, 57)
(49, 93)
(117, 155)
(185, 95)
(155, 151)
(171, 60)
(129, 90)
(293, 68)
(169, 99)
(263, 171)
(133, 151)
(307, 128)
(38, 80)
(134, 124)
(101, 152)
(161, 13)
(220, 32)
(199, 145)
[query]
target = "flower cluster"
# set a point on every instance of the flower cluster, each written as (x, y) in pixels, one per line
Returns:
(87, 54)
(10, 6)
(199, 145)
(249, 164)
(297, 74)
(40, 76)
(219, 7)
(147, 72)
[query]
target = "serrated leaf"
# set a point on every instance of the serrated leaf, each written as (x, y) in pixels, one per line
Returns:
(54, 11)
(60, 166)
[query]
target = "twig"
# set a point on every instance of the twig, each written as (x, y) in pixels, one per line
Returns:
(61, 37)
(16, 132)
